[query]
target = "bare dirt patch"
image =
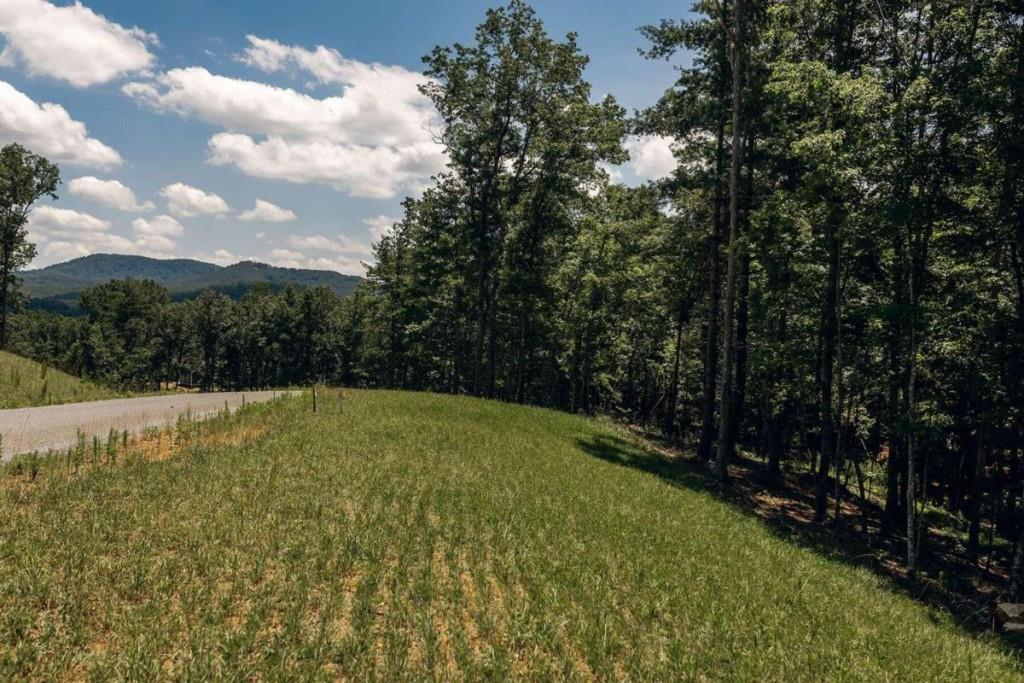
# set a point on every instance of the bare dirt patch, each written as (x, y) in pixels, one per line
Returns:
(237, 436)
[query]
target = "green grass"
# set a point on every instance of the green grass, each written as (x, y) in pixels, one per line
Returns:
(25, 383)
(420, 537)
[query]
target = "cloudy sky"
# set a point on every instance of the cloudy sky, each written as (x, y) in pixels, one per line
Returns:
(247, 129)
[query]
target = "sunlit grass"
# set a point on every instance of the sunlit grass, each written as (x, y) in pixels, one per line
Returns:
(25, 383)
(418, 537)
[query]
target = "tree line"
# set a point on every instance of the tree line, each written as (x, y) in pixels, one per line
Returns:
(131, 335)
(833, 274)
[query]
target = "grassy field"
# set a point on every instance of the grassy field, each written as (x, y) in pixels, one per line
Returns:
(419, 537)
(25, 382)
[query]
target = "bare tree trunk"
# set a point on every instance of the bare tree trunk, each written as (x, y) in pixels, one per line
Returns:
(707, 428)
(725, 433)
(492, 350)
(481, 329)
(840, 452)
(829, 326)
(743, 314)
(1017, 253)
(911, 376)
(894, 465)
(673, 392)
(863, 497)
(776, 446)
(5, 276)
(742, 327)
(977, 492)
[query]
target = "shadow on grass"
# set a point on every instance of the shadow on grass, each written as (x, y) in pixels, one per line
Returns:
(945, 580)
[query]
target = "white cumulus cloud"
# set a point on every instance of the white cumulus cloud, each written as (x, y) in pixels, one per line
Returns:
(71, 42)
(222, 257)
(49, 130)
(53, 220)
(254, 107)
(109, 193)
(341, 253)
(285, 258)
(341, 244)
(375, 138)
(62, 234)
(155, 234)
(379, 103)
(326, 65)
(379, 226)
(339, 264)
(185, 200)
(363, 171)
(650, 156)
(162, 225)
(289, 258)
(266, 212)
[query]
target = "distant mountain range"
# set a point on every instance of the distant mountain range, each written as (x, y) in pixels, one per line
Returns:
(56, 288)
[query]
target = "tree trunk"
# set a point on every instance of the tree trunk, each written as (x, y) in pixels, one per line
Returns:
(912, 427)
(710, 390)
(742, 326)
(673, 391)
(742, 316)
(481, 334)
(863, 497)
(829, 329)
(977, 492)
(776, 445)
(725, 433)
(520, 391)
(1014, 214)
(5, 276)
(894, 466)
(492, 350)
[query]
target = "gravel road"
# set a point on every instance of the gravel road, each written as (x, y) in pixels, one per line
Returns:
(25, 430)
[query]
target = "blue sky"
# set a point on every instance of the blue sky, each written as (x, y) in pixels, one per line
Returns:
(222, 130)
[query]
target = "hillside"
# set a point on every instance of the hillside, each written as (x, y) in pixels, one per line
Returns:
(25, 382)
(57, 287)
(426, 537)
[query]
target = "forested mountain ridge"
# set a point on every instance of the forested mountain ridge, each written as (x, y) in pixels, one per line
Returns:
(58, 287)
(82, 273)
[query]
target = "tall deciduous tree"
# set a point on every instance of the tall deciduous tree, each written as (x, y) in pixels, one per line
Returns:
(726, 404)
(24, 179)
(524, 143)
(695, 111)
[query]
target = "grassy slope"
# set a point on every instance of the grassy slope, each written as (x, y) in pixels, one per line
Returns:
(419, 536)
(24, 382)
